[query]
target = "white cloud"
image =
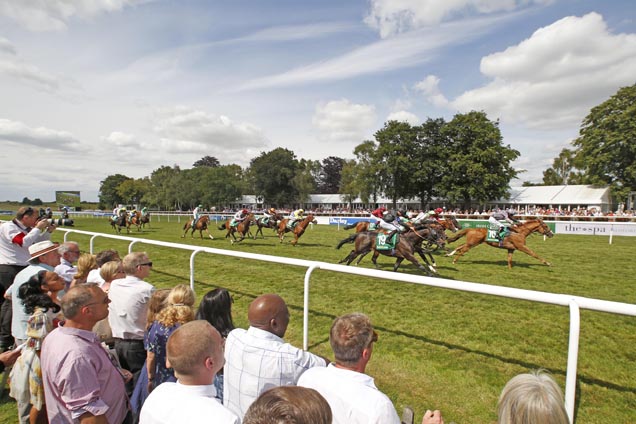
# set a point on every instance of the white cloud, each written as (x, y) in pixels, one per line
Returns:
(553, 78)
(20, 133)
(29, 74)
(121, 139)
(296, 32)
(401, 51)
(391, 17)
(186, 130)
(6, 47)
(404, 116)
(341, 120)
(429, 86)
(52, 15)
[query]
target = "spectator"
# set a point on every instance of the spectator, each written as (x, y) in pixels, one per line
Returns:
(101, 258)
(351, 393)
(195, 352)
(69, 252)
(289, 405)
(259, 359)
(216, 308)
(26, 375)
(85, 264)
(178, 311)
(533, 398)
(109, 272)
(128, 309)
(15, 239)
(80, 380)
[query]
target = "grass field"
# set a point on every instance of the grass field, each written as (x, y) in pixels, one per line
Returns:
(438, 348)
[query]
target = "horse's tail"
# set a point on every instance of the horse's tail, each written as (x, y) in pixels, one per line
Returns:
(222, 227)
(350, 226)
(457, 235)
(349, 239)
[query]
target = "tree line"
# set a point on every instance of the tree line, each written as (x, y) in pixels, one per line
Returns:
(463, 161)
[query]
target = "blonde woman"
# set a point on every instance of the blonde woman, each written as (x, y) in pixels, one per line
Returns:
(111, 271)
(85, 264)
(179, 310)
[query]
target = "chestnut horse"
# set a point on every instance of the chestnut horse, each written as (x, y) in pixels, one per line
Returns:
(365, 242)
(242, 228)
(202, 225)
(298, 230)
(516, 240)
(135, 220)
(121, 221)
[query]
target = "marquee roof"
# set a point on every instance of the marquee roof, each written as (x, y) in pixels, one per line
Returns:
(559, 195)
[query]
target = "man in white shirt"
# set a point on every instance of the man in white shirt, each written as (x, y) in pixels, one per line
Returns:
(195, 352)
(69, 252)
(352, 394)
(258, 359)
(128, 308)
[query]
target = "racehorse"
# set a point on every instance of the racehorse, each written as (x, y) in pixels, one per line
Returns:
(365, 242)
(298, 230)
(448, 223)
(135, 220)
(271, 223)
(202, 225)
(516, 240)
(145, 219)
(120, 221)
(242, 228)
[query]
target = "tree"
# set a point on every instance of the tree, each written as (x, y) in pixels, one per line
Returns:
(477, 166)
(304, 181)
(429, 154)
(396, 143)
(223, 185)
(26, 201)
(271, 175)
(349, 181)
(563, 170)
(209, 161)
(366, 171)
(607, 143)
(163, 187)
(132, 190)
(329, 176)
(108, 195)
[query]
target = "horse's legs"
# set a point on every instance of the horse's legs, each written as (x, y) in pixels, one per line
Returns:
(361, 257)
(525, 249)
(398, 261)
(411, 258)
(461, 250)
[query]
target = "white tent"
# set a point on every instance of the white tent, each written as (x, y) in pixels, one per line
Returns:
(562, 196)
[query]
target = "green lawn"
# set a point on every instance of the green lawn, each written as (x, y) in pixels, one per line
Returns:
(438, 348)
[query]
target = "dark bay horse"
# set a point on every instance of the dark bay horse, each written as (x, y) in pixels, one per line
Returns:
(121, 221)
(135, 220)
(365, 242)
(202, 225)
(145, 219)
(271, 223)
(516, 240)
(242, 228)
(298, 230)
(448, 223)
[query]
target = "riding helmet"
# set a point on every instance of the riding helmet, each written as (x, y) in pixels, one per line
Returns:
(439, 210)
(388, 217)
(301, 210)
(245, 211)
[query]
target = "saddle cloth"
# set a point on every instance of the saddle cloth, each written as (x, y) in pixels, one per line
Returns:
(382, 243)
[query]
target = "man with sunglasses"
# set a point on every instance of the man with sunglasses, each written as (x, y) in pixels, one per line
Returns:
(351, 394)
(128, 309)
(15, 239)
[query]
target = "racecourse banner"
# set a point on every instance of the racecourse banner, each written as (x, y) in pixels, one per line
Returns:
(596, 228)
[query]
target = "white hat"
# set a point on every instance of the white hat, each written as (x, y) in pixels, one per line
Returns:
(42, 248)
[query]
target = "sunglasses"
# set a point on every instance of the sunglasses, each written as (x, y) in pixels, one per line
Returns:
(146, 264)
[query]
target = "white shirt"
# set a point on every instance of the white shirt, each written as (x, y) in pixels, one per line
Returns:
(15, 240)
(177, 403)
(128, 307)
(352, 396)
(257, 360)
(66, 270)
(95, 277)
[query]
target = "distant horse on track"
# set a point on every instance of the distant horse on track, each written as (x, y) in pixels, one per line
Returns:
(271, 223)
(242, 228)
(145, 219)
(365, 242)
(298, 230)
(202, 225)
(135, 220)
(516, 240)
(119, 222)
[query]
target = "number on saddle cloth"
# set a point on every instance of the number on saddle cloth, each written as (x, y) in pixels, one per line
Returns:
(494, 235)
(234, 223)
(373, 226)
(383, 243)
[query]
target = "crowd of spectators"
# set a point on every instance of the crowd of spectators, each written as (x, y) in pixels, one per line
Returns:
(87, 351)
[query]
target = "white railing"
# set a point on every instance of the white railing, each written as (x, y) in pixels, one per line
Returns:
(574, 303)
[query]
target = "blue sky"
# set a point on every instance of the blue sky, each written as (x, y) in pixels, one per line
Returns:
(91, 89)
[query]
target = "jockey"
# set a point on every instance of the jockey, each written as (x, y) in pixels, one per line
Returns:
(196, 214)
(390, 223)
(296, 215)
(239, 217)
(268, 214)
(144, 211)
(376, 215)
(115, 213)
(132, 214)
(502, 215)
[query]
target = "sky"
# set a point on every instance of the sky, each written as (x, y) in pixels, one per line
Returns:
(92, 89)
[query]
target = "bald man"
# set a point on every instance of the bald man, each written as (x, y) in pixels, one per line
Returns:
(195, 352)
(258, 359)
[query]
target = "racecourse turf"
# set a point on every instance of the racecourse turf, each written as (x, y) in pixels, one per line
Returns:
(438, 348)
